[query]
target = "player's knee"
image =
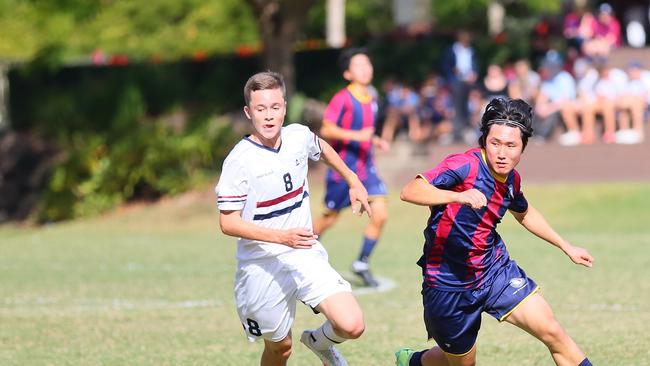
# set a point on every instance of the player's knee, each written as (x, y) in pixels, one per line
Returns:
(280, 350)
(351, 329)
(552, 334)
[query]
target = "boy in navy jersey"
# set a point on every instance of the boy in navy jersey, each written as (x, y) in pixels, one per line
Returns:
(466, 268)
(349, 125)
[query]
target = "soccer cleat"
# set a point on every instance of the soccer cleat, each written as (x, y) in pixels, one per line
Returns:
(330, 357)
(362, 270)
(403, 356)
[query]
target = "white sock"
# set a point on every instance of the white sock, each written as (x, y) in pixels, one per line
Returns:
(324, 337)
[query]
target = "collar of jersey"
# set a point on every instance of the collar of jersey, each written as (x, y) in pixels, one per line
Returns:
(248, 138)
(360, 97)
(499, 177)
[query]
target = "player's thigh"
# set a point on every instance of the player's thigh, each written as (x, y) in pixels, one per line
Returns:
(453, 319)
(535, 317)
(325, 290)
(265, 294)
(379, 208)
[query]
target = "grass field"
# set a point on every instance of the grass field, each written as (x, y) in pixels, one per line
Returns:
(153, 285)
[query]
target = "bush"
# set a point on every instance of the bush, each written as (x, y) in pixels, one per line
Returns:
(150, 161)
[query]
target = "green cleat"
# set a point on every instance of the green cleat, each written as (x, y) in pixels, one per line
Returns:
(403, 356)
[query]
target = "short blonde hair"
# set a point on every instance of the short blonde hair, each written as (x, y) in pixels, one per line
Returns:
(264, 81)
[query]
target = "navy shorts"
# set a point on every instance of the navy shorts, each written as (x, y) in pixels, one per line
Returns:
(337, 194)
(453, 318)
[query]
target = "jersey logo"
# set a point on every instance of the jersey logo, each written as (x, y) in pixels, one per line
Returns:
(265, 174)
(517, 282)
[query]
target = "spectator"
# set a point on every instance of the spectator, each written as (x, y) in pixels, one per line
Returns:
(555, 102)
(435, 110)
(525, 84)
(401, 108)
(494, 84)
(579, 26)
(632, 105)
(606, 91)
(607, 33)
(459, 68)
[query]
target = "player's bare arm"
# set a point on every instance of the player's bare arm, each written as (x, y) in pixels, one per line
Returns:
(329, 130)
(419, 192)
(233, 225)
(358, 192)
(535, 222)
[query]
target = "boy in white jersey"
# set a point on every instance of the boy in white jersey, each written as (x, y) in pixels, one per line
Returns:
(263, 198)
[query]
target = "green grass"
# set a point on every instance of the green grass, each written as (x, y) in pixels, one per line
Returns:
(153, 285)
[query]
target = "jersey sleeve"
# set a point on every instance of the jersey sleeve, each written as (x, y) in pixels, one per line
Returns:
(335, 108)
(519, 202)
(232, 189)
(449, 173)
(313, 146)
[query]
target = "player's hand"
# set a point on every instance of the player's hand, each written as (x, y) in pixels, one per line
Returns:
(366, 134)
(473, 198)
(579, 255)
(381, 144)
(359, 199)
(299, 238)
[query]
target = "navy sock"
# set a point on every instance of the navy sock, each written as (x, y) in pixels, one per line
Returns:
(585, 362)
(366, 248)
(416, 359)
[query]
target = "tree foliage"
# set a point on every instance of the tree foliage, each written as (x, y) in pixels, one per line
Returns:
(162, 29)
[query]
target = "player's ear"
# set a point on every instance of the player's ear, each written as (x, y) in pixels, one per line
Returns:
(347, 75)
(247, 112)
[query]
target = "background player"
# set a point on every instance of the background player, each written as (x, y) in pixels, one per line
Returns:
(263, 198)
(349, 124)
(465, 265)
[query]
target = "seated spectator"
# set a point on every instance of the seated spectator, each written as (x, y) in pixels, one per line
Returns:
(555, 102)
(579, 26)
(606, 91)
(436, 110)
(401, 108)
(494, 84)
(607, 33)
(632, 105)
(525, 84)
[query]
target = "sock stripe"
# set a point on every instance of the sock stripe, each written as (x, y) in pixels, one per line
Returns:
(330, 339)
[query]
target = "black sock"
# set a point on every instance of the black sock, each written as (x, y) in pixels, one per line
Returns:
(416, 359)
(585, 362)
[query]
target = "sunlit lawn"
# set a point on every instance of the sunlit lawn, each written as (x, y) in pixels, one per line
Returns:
(153, 285)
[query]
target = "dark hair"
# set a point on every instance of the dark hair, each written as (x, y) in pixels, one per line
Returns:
(264, 81)
(347, 54)
(509, 112)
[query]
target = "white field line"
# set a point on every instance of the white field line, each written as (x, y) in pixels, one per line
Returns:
(54, 304)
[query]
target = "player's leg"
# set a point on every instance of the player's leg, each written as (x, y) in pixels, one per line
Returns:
(534, 315)
(276, 353)
(336, 198)
(327, 292)
(453, 320)
(377, 192)
(514, 298)
(327, 219)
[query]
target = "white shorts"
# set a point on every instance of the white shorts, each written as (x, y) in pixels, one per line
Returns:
(266, 290)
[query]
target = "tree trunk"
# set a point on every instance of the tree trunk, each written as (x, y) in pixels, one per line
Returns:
(4, 97)
(335, 32)
(279, 23)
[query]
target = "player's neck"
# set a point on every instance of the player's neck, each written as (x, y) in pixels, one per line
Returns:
(359, 89)
(273, 143)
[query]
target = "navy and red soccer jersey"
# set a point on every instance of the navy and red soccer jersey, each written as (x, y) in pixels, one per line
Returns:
(352, 112)
(462, 248)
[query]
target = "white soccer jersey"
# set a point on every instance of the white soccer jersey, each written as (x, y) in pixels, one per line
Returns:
(269, 187)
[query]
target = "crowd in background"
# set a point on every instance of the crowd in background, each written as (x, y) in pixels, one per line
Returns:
(578, 98)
